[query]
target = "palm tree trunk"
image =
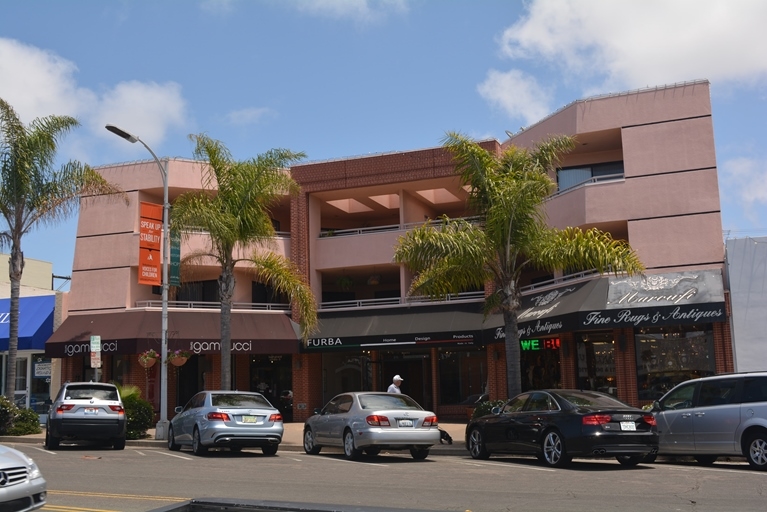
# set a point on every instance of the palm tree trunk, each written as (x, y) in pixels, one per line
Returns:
(226, 290)
(15, 268)
(513, 353)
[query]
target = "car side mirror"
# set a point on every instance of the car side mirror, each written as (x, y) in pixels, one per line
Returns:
(496, 410)
(655, 406)
(317, 411)
(178, 409)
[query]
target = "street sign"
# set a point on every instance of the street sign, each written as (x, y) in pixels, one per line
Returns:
(95, 351)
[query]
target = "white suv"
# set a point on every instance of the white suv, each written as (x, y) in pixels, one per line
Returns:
(715, 416)
(91, 411)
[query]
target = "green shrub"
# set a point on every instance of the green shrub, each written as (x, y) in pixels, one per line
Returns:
(8, 411)
(139, 414)
(25, 422)
(485, 408)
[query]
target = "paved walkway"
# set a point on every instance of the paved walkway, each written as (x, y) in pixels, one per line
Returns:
(292, 439)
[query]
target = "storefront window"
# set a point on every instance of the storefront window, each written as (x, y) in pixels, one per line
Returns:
(596, 362)
(539, 363)
(667, 356)
(40, 386)
(462, 375)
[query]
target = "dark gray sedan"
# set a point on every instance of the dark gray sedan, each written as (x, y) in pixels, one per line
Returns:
(231, 419)
(371, 422)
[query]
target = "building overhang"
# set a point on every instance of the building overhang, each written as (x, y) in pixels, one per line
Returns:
(198, 331)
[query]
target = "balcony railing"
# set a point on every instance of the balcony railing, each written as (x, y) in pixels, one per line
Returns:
(590, 181)
(399, 301)
(391, 227)
(193, 304)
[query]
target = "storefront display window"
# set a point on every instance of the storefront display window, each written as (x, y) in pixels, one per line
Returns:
(596, 362)
(667, 356)
(345, 371)
(462, 375)
(539, 363)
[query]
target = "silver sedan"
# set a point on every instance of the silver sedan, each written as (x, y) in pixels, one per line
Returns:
(371, 422)
(231, 419)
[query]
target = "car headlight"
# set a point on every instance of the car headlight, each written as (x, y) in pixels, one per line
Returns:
(34, 471)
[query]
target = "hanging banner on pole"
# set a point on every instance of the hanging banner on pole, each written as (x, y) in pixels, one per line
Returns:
(150, 237)
(174, 278)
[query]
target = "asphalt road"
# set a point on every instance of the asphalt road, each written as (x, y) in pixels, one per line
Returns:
(143, 478)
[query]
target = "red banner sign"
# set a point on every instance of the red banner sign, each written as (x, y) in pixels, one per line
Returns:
(150, 243)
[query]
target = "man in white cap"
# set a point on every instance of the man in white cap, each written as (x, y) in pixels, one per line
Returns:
(394, 387)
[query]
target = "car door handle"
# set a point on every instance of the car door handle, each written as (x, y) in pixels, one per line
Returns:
(686, 415)
(700, 414)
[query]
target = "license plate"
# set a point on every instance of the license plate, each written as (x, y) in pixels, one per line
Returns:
(91, 411)
(249, 419)
(628, 425)
(404, 423)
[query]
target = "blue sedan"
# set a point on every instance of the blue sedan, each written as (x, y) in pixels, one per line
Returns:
(231, 419)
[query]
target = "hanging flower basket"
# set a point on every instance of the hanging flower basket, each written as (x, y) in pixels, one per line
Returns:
(148, 359)
(178, 357)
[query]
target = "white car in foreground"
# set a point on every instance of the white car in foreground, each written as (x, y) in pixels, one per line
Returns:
(370, 422)
(22, 486)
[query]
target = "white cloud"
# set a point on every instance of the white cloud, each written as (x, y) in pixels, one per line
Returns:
(358, 10)
(38, 83)
(148, 110)
(218, 7)
(518, 94)
(743, 184)
(636, 44)
(248, 115)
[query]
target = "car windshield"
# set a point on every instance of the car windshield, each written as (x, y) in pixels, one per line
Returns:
(86, 392)
(238, 400)
(586, 399)
(388, 401)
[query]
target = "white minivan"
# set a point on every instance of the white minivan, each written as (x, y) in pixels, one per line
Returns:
(715, 416)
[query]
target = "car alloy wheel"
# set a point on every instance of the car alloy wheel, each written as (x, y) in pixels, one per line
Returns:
(477, 445)
(757, 451)
(51, 442)
(419, 453)
(172, 445)
(197, 447)
(310, 446)
(630, 460)
(349, 450)
(554, 453)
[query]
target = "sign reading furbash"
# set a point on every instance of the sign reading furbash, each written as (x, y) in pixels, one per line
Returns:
(150, 236)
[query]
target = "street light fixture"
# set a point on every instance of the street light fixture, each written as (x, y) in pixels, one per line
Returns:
(161, 430)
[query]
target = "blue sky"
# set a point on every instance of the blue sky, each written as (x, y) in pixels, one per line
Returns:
(341, 78)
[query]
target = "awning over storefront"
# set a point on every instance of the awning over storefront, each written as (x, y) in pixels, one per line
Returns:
(35, 321)
(133, 331)
(679, 298)
(402, 328)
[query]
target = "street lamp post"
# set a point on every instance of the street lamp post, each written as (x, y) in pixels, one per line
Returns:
(161, 431)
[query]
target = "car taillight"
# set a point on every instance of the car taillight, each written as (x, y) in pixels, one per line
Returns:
(378, 421)
(430, 421)
(650, 420)
(64, 407)
(275, 417)
(117, 408)
(596, 419)
(218, 416)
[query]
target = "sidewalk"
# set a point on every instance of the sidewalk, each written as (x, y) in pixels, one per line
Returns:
(292, 439)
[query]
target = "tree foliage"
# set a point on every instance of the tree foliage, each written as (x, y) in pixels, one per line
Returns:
(233, 208)
(507, 191)
(35, 192)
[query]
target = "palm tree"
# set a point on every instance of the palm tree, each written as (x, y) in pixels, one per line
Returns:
(233, 208)
(33, 192)
(507, 192)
